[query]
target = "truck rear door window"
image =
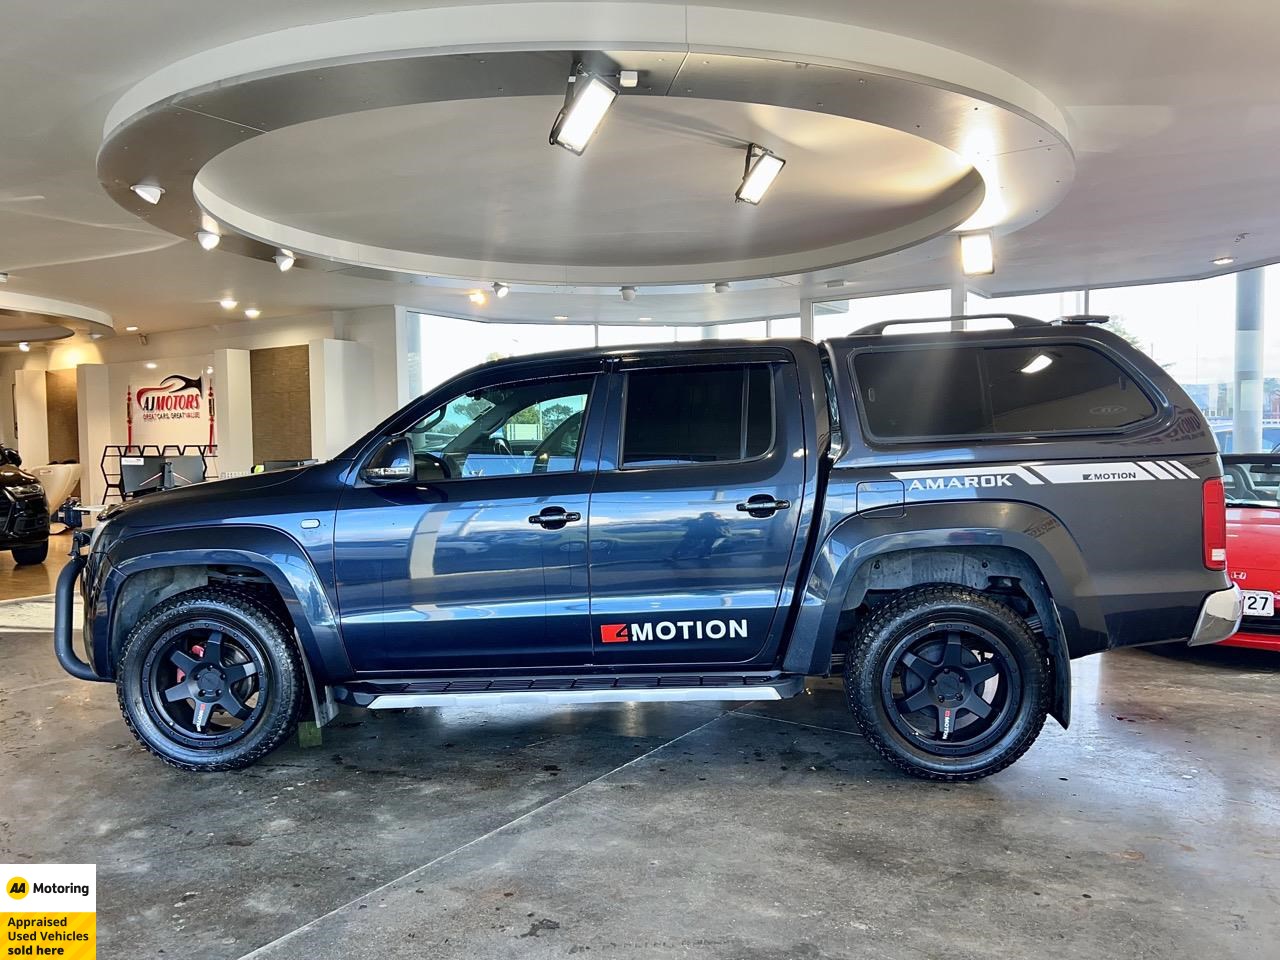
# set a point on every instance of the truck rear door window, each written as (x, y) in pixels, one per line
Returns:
(922, 393)
(697, 415)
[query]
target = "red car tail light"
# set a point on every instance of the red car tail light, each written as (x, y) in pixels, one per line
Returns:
(1214, 504)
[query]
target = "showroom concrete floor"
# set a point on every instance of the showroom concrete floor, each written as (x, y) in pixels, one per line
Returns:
(1150, 829)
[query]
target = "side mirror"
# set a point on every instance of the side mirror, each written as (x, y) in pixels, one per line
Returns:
(394, 463)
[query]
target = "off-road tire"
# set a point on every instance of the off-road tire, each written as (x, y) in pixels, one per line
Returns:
(872, 645)
(29, 556)
(283, 689)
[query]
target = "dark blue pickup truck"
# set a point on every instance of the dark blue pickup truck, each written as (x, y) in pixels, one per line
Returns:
(949, 518)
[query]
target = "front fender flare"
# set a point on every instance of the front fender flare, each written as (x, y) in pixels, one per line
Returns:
(272, 553)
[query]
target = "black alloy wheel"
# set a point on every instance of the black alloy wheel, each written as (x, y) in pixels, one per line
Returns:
(210, 679)
(947, 682)
(204, 682)
(952, 684)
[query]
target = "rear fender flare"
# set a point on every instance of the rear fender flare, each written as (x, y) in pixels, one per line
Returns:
(1071, 622)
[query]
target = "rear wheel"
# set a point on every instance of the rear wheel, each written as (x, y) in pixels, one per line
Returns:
(948, 683)
(25, 556)
(210, 680)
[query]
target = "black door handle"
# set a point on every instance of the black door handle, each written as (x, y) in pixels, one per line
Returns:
(553, 518)
(762, 505)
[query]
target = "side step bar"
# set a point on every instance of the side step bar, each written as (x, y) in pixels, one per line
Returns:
(776, 689)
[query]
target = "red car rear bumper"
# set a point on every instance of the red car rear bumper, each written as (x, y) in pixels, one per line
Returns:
(1257, 641)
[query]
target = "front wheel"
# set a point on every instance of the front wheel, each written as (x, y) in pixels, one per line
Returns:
(947, 683)
(26, 556)
(210, 680)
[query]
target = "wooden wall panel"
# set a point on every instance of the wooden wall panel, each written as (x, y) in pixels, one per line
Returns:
(281, 393)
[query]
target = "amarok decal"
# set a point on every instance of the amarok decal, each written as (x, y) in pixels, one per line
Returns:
(1009, 475)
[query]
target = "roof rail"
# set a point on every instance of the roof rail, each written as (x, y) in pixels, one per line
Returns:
(1015, 320)
(1079, 319)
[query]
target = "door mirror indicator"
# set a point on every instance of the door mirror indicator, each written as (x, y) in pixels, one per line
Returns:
(394, 463)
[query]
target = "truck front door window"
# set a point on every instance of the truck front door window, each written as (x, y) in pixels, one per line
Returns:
(507, 430)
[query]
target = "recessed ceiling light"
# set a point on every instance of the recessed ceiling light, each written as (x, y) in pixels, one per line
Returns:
(500, 290)
(4, 278)
(586, 101)
(762, 169)
(644, 319)
(24, 346)
(253, 313)
(977, 254)
(721, 287)
(148, 192)
(1223, 261)
(151, 366)
(131, 329)
(284, 260)
(209, 370)
(478, 297)
(559, 316)
(228, 303)
(208, 239)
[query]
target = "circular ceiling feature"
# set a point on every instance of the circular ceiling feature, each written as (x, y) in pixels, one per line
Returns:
(342, 146)
(470, 188)
(33, 319)
(17, 327)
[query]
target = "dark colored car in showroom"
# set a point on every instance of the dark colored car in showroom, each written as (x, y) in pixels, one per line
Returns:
(24, 512)
(948, 518)
(1253, 545)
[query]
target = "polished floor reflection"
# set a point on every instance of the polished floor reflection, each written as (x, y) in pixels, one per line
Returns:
(767, 832)
(36, 579)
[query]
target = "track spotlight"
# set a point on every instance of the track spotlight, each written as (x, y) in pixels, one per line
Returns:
(478, 297)
(4, 278)
(208, 239)
(24, 347)
(628, 293)
(228, 303)
(252, 313)
(586, 100)
(762, 168)
(148, 192)
(977, 253)
(721, 287)
(284, 260)
(500, 290)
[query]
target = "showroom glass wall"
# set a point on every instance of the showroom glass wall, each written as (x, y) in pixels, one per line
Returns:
(1187, 327)
(450, 345)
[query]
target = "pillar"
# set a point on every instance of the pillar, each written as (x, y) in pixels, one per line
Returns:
(958, 307)
(31, 410)
(233, 407)
(93, 410)
(1247, 425)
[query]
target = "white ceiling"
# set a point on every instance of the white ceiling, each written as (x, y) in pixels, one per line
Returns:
(1172, 107)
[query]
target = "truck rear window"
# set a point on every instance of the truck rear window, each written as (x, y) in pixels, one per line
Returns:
(698, 415)
(934, 392)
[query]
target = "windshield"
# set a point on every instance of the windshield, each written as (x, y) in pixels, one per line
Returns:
(1252, 483)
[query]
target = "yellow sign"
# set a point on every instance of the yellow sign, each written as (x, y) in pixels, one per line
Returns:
(51, 911)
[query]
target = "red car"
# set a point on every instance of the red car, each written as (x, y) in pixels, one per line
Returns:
(1253, 545)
